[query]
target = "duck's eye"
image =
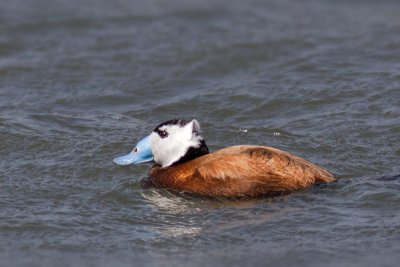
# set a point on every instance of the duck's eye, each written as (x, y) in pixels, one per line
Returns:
(162, 134)
(135, 150)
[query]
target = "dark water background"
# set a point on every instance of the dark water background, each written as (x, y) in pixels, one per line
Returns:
(83, 81)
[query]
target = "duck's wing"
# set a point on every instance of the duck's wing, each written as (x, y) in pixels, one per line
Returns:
(241, 171)
(279, 162)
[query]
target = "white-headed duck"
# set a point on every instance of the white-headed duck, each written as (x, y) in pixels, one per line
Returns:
(183, 163)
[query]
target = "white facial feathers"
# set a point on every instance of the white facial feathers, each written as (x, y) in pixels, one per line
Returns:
(171, 141)
(195, 126)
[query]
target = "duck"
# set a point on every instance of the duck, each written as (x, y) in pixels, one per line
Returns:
(183, 163)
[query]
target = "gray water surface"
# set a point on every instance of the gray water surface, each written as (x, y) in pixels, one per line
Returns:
(82, 81)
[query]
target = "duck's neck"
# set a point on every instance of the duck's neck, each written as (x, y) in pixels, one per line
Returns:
(193, 152)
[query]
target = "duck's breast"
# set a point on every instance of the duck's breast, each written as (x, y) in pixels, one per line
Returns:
(241, 171)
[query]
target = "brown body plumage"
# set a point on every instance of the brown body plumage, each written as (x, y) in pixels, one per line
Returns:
(240, 171)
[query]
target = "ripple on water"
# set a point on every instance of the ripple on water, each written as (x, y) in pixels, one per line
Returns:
(80, 86)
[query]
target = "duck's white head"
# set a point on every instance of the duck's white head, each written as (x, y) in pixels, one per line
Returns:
(172, 142)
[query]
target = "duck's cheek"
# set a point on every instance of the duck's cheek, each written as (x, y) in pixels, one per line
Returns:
(159, 156)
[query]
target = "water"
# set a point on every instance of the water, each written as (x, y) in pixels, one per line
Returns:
(82, 81)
